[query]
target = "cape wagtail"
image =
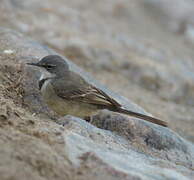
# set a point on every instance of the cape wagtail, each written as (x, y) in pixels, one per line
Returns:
(66, 92)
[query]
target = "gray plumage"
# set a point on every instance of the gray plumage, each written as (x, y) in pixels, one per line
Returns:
(67, 92)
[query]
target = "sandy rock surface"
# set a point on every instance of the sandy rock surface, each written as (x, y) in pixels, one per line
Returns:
(114, 146)
(120, 42)
(123, 47)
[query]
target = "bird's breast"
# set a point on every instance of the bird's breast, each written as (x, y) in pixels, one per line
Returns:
(63, 106)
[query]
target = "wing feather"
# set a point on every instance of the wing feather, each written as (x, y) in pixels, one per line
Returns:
(90, 95)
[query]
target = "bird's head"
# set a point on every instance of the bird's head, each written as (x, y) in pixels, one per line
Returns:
(54, 64)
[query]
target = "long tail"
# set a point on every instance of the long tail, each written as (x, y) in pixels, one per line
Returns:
(142, 116)
(116, 107)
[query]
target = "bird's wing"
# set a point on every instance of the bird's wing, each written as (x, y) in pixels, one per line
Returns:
(74, 87)
(89, 95)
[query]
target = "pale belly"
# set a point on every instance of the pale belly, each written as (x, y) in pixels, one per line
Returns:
(64, 107)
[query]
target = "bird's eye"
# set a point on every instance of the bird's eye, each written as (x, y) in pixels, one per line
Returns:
(49, 66)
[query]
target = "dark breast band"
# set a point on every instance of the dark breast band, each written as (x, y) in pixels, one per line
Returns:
(41, 82)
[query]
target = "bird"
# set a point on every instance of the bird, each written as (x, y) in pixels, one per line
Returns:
(68, 93)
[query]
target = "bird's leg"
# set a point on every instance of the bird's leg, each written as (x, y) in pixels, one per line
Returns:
(87, 118)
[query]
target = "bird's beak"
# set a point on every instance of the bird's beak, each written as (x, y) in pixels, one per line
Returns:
(34, 64)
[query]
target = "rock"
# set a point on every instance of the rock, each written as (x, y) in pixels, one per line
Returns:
(126, 46)
(114, 146)
(134, 151)
(176, 15)
(116, 42)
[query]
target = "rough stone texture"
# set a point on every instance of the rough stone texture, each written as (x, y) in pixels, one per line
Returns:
(114, 146)
(176, 15)
(119, 44)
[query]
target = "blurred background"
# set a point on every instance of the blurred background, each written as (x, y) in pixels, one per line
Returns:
(141, 49)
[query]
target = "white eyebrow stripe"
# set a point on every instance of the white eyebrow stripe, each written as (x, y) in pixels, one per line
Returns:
(53, 65)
